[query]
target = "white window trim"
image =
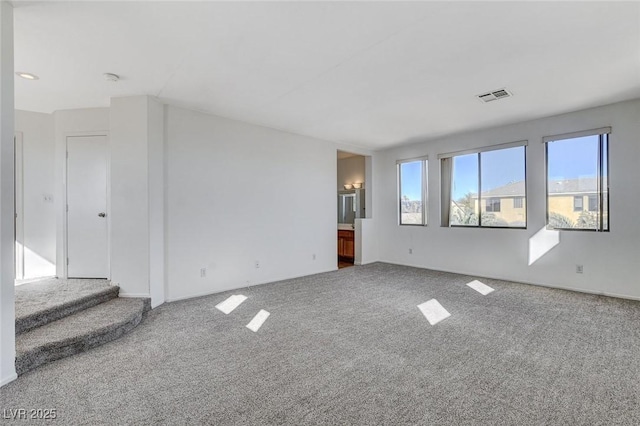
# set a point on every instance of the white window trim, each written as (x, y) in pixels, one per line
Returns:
(484, 149)
(445, 209)
(411, 160)
(574, 135)
(425, 193)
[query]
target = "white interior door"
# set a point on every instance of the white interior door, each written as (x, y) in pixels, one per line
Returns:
(87, 228)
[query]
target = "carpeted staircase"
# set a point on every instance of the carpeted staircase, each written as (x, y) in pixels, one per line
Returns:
(59, 318)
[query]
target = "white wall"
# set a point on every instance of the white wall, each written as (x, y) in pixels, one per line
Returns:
(38, 189)
(237, 193)
(366, 243)
(351, 170)
(129, 195)
(7, 220)
(66, 122)
(157, 190)
(609, 259)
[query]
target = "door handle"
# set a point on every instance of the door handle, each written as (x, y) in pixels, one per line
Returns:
(102, 214)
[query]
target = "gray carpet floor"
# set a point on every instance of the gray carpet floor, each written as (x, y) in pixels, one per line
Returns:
(77, 333)
(351, 347)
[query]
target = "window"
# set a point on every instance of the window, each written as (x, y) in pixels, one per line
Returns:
(577, 181)
(464, 201)
(518, 202)
(412, 189)
(476, 186)
(493, 204)
(577, 203)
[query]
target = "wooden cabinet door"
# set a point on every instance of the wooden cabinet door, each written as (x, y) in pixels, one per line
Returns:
(349, 248)
(346, 244)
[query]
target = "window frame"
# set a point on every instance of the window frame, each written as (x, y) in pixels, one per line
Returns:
(604, 139)
(575, 207)
(424, 188)
(589, 198)
(478, 151)
(519, 204)
(490, 201)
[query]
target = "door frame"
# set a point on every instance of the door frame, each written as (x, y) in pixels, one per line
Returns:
(65, 222)
(18, 189)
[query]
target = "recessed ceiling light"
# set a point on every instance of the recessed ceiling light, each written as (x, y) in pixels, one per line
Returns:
(27, 76)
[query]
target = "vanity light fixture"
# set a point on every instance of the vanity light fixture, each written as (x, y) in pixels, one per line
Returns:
(357, 185)
(27, 76)
(348, 186)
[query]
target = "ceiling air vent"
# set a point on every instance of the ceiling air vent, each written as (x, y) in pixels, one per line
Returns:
(495, 95)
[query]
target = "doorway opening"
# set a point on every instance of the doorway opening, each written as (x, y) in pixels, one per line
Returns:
(34, 214)
(351, 204)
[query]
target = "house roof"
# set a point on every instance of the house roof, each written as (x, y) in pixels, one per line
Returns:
(556, 186)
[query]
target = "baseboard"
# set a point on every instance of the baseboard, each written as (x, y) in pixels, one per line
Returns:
(135, 295)
(9, 379)
(155, 305)
(558, 287)
(33, 280)
(209, 293)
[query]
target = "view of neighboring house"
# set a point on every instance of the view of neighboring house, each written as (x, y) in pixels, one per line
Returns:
(572, 203)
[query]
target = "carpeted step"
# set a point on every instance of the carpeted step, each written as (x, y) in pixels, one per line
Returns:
(78, 332)
(41, 303)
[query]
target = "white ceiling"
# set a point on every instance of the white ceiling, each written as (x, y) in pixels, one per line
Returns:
(367, 74)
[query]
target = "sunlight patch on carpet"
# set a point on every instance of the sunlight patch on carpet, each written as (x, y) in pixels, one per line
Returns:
(231, 303)
(480, 287)
(258, 320)
(433, 311)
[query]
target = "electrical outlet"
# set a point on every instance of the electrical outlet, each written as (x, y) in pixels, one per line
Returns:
(203, 272)
(313, 256)
(579, 269)
(257, 264)
(410, 251)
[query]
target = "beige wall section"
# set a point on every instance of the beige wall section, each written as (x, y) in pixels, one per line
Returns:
(508, 211)
(563, 204)
(560, 204)
(351, 170)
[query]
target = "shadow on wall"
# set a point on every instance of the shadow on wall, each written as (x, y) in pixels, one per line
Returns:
(541, 243)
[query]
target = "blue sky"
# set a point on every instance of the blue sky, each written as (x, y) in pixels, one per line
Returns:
(573, 158)
(411, 178)
(567, 159)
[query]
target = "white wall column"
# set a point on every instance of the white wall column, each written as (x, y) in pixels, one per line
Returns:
(137, 197)
(368, 179)
(7, 223)
(156, 176)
